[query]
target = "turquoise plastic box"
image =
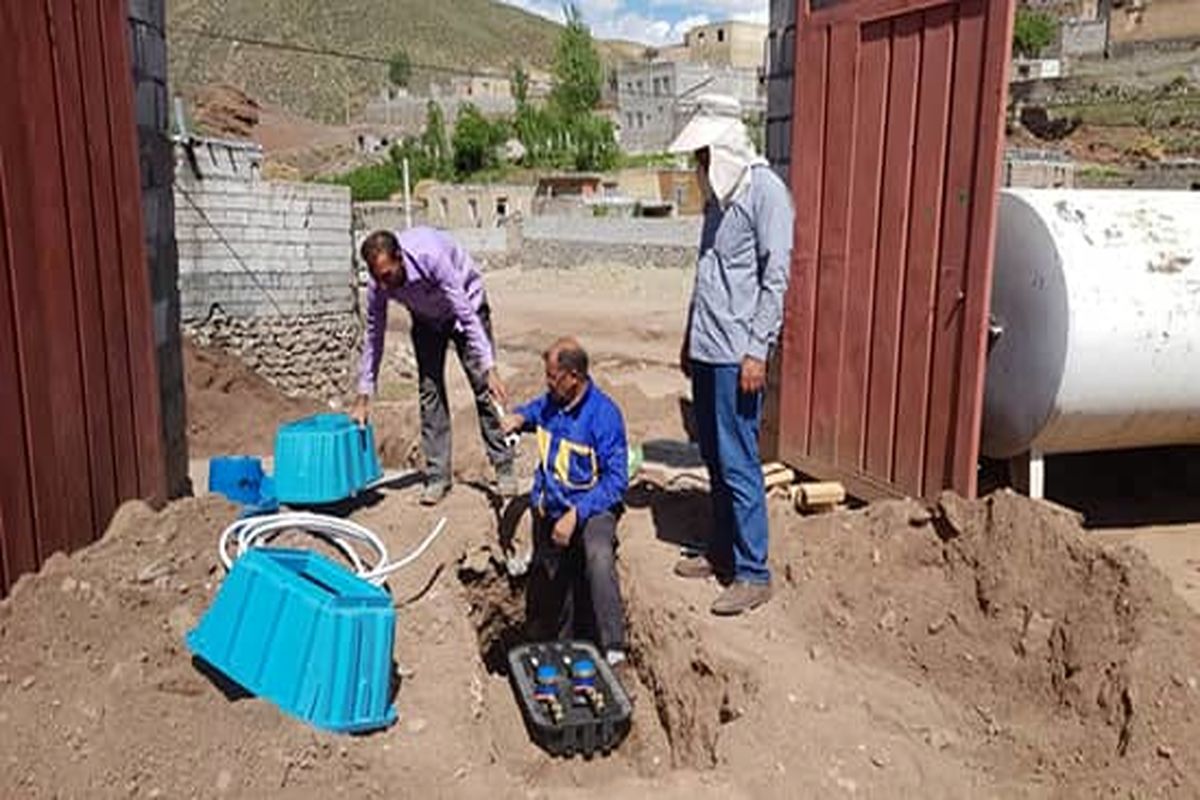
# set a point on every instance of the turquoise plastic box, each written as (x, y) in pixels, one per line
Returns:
(324, 459)
(297, 629)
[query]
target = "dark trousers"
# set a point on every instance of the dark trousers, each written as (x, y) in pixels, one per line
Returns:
(573, 592)
(727, 422)
(430, 344)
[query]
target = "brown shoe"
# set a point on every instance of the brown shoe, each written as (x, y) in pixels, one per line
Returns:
(694, 567)
(740, 597)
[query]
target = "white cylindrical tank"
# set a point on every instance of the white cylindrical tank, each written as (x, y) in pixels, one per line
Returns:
(1096, 322)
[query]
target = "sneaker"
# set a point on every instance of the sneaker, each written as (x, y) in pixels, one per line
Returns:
(740, 597)
(698, 567)
(506, 481)
(435, 492)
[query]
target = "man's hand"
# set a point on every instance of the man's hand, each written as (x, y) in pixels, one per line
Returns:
(564, 529)
(361, 409)
(512, 423)
(685, 358)
(754, 375)
(496, 386)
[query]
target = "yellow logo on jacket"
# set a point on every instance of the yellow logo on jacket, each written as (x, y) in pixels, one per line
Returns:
(575, 465)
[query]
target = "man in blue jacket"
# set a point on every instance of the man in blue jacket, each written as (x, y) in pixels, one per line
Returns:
(578, 489)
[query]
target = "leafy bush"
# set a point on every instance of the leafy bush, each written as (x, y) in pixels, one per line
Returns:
(371, 182)
(1033, 32)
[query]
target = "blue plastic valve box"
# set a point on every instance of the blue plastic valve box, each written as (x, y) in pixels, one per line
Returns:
(238, 478)
(295, 628)
(324, 459)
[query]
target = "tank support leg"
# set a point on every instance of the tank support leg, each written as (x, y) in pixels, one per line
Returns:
(1028, 472)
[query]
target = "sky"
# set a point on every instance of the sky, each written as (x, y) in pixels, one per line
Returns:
(650, 21)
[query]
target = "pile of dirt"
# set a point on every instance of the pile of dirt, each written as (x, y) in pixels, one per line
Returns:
(230, 408)
(1079, 661)
(225, 111)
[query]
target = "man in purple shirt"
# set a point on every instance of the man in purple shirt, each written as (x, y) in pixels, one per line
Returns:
(437, 281)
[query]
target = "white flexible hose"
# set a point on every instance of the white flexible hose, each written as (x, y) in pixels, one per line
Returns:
(341, 533)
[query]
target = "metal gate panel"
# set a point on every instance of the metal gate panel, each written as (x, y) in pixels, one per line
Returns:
(79, 408)
(894, 168)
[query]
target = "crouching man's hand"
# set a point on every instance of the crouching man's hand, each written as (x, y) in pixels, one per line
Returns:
(512, 423)
(564, 529)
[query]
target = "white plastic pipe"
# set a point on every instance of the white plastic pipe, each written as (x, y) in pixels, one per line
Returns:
(342, 533)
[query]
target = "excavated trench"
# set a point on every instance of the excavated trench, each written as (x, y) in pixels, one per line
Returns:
(692, 691)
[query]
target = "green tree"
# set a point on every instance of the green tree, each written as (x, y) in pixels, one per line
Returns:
(475, 142)
(1033, 32)
(520, 84)
(437, 146)
(578, 73)
(399, 69)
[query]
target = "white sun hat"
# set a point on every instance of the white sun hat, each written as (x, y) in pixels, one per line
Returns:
(715, 118)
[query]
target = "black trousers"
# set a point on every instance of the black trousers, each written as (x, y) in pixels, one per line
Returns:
(430, 344)
(573, 592)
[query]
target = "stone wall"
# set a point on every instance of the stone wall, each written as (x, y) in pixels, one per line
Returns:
(148, 54)
(267, 273)
(310, 355)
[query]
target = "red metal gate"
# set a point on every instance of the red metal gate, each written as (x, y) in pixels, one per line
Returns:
(79, 408)
(896, 147)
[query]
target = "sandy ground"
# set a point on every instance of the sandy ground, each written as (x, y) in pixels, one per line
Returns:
(987, 649)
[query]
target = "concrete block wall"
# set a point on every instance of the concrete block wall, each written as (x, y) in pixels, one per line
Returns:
(267, 273)
(781, 67)
(1083, 38)
(571, 242)
(148, 53)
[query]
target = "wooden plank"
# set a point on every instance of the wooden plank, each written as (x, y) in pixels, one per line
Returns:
(859, 484)
(95, 465)
(143, 369)
(956, 221)
(981, 252)
(49, 349)
(18, 548)
(834, 243)
(104, 190)
(893, 244)
(871, 115)
(800, 307)
(925, 223)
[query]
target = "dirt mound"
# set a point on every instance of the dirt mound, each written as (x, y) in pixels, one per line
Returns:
(230, 408)
(225, 111)
(1079, 661)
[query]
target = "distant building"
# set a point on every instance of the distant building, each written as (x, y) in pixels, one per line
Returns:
(1038, 169)
(677, 190)
(447, 205)
(655, 100)
(726, 44)
(1035, 69)
(491, 85)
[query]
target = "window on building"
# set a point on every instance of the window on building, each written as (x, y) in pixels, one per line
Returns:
(502, 207)
(473, 208)
(720, 34)
(444, 206)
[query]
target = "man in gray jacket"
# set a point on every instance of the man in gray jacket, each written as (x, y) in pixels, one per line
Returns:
(733, 322)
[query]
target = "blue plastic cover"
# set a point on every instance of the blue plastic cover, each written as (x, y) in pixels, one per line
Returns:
(324, 459)
(295, 628)
(238, 478)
